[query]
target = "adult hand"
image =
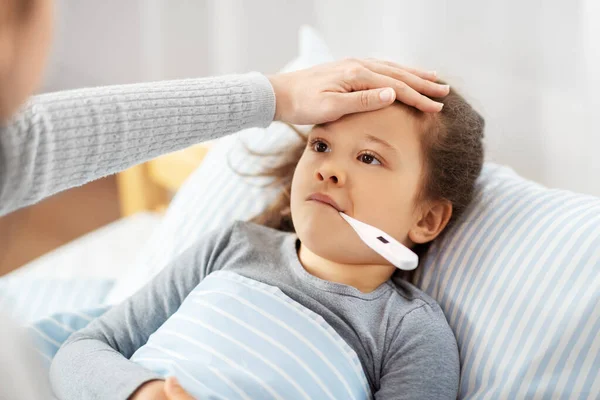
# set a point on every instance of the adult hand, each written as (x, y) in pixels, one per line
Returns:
(326, 92)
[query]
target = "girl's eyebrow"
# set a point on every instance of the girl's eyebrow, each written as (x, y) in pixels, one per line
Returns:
(384, 143)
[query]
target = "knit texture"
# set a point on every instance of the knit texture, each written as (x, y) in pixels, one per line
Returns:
(66, 139)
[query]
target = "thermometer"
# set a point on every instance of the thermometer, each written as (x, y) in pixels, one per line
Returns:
(389, 248)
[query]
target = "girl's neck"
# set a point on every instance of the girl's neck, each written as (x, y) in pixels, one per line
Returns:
(365, 278)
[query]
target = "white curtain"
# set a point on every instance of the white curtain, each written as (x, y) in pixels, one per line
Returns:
(531, 67)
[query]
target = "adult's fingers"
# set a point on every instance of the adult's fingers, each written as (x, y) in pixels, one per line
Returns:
(429, 75)
(360, 101)
(404, 92)
(421, 85)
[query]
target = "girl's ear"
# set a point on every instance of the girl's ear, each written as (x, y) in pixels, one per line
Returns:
(433, 220)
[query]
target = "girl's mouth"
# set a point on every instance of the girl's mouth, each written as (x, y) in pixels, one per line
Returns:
(323, 198)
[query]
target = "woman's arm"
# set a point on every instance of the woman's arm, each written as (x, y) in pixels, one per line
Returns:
(65, 139)
(422, 362)
(94, 362)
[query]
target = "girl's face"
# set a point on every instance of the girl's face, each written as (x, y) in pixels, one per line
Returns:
(24, 44)
(370, 166)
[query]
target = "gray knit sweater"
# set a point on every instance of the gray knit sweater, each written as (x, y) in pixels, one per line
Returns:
(65, 139)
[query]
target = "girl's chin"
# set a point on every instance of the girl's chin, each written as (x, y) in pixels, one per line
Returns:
(336, 242)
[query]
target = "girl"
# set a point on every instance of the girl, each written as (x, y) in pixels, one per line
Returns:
(301, 308)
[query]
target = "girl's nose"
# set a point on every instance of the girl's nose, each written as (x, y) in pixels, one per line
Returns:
(328, 172)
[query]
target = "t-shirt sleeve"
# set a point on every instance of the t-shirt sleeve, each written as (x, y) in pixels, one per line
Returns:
(94, 362)
(422, 361)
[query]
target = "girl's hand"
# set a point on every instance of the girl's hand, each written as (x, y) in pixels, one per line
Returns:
(153, 390)
(174, 391)
(161, 390)
(326, 92)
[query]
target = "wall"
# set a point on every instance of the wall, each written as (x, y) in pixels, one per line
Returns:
(530, 67)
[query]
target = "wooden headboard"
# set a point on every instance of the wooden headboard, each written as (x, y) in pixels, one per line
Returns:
(150, 186)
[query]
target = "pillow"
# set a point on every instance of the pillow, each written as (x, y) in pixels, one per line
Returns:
(86, 256)
(518, 279)
(215, 194)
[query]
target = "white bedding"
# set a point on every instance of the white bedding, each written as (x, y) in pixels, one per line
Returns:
(79, 274)
(106, 253)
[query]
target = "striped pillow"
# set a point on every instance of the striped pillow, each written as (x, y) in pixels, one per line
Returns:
(519, 281)
(286, 352)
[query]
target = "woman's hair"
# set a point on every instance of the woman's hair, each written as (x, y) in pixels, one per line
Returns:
(452, 146)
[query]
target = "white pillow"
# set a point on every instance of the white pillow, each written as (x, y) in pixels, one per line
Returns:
(86, 256)
(215, 195)
(519, 281)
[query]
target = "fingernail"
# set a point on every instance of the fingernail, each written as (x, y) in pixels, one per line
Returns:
(433, 73)
(446, 87)
(441, 106)
(386, 95)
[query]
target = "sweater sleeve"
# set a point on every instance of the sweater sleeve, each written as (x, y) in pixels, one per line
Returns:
(422, 361)
(65, 139)
(94, 362)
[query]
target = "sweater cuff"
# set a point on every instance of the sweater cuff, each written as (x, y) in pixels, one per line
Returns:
(264, 100)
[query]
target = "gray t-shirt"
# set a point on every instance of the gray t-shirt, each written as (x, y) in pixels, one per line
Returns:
(406, 348)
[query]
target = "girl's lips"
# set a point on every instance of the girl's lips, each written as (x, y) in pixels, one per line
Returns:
(323, 198)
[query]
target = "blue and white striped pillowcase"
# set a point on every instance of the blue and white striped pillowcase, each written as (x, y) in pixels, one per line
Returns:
(519, 281)
(28, 299)
(234, 337)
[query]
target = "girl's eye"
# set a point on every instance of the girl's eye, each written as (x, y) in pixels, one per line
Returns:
(369, 159)
(320, 147)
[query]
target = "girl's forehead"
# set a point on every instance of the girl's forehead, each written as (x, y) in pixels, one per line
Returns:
(394, 124)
